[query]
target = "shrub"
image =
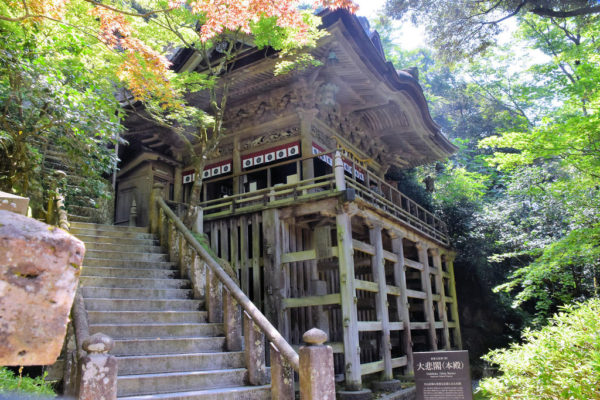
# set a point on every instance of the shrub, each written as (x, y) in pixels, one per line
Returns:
(9, 382)
(559, 361)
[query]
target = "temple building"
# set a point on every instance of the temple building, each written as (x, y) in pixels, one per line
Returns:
(298, 199)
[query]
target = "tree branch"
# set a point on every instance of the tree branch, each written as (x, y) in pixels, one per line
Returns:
(548, 12)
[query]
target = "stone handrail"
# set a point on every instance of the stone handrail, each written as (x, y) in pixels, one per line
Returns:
(252, 313)
(91, 350)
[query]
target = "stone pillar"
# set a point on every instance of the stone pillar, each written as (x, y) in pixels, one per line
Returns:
(232, 319)
(316, 367)
(282, 377)
(254, 352)
(426, 287)
(98, 376)
(154, 195)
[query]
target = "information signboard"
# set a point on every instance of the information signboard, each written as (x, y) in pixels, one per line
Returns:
(443, 375)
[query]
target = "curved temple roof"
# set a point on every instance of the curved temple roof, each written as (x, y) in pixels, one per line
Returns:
(386, 106)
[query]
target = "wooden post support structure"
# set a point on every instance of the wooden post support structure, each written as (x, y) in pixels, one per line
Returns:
(402, 300)
(232, 318)
(317, 380)
(306, 120)
(282, 377)
(426, 286)
(454, 307)
(273, 276)
(439, 283)
(338, 170)
(254, 354)
(347, 288)
(98, 375)
(378, 266)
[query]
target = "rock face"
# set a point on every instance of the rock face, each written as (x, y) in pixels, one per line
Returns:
(39, 272)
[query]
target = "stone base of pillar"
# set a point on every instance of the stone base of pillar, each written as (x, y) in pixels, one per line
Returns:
(387, 386)
(363, 394)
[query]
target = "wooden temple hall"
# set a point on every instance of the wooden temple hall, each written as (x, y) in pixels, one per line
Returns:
(298, 199)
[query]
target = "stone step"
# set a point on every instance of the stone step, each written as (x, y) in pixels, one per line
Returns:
(104, 304)
(116, 246)
(175, 381)
(113, 233)
(158, 330)
(86, 210)
(143, 346)
(129, 365)
(120, 272)
(141, 283)
(129, 256)
(148, 317)
(135, 293)
(233, 393)
(118, 240)
(112, 228)
(108, 262)
(80, 218)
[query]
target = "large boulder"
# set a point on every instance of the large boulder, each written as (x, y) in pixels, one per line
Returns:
(39, 272)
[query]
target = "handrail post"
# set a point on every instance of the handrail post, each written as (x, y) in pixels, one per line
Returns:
(154, 196)
(316, 367)
(98, 369)
(254, 341)
(232, 319)
(282, 377)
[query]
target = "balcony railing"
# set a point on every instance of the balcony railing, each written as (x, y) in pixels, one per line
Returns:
(371, 189)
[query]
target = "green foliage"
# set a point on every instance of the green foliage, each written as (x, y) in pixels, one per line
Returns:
(466, 28)
(9, 382)
(559, 361)
(51, 94)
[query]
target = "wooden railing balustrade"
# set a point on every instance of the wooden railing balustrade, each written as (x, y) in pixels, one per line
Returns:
(373, 189)
(224, 298)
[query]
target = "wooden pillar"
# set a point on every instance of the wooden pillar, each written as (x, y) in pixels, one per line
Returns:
(306, 139)
(426, 287)
(178, 186)
(237, 165)
(273, 281)
(347, 288)
(402, 300)
(256, 262)
(348, 295)
(378, 266)
(449, 258)
(441, 305)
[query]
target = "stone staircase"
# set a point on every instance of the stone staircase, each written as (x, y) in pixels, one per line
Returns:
(164, 346)
(82, 202)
